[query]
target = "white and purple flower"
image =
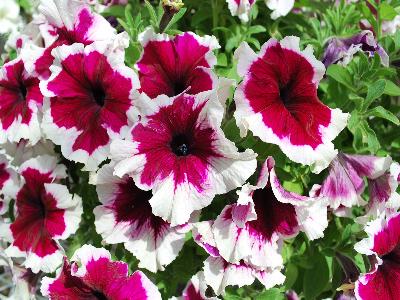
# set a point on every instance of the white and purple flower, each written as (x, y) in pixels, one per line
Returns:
(45, 213)
(93, 275)
(383, 247)
(173, 65)
(125, 216)
(278, 102)
(180, 152)
(91, 94)
(9, 183)
(280, 8)
(241, 8)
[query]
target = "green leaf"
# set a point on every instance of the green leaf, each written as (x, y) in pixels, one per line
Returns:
(391, 88)
(271, 294)
(383, 113)
(375, 90)
(256, 29)
(340, 74)
(152, 12)
(316, 278)
(292, 272)
(387, 12)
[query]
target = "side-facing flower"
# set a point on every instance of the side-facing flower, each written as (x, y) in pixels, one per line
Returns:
(45, 213)
(180, 152)
(195, 289)
(172, 65)
(277, 100)
(9, 183)
(253, 229)
(20, 103)
(383, 247)
(93, 275)
(91, 94)
(218, 273)
(345, 181)
(65, 22)
(125, 216)
(342, 50)
(280, 8)
(241, 8)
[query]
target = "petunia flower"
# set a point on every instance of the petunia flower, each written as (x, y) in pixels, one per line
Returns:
(218, 273)
(345, 181)
(280, 8)
(91, 94)
(20, 103)
(342, 50)
(45, 213)
(253, 229)
(172, 65)
(93, 275)
(241, 8)
(18, 153)
(383, 247)
(9, 183)
(64, 22)
(278, 102)
(179, 151)
(383, 197)
(195, 289)
(125, 216)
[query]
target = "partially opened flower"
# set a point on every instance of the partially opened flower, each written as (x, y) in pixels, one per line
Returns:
(65, 22)
(342, 50)
(9, 16)
(277, 100)
(241, 8)
(218, 273)
(93, 275)
(180, 152)
(383, 246)
(344, 183)
(383, 197)
(280, 8)
(45, 213)
(91, 95)
(253, 229)
(125, 216)
(195, 289)
(172, 65)
(20, 103)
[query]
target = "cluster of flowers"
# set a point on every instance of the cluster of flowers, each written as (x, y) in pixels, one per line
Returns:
(153, 142)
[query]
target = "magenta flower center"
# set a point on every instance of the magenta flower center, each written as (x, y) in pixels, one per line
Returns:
(99, 95)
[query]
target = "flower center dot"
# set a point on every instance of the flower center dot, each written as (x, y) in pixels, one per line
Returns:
(180, 145)
(99, 96)
(23, 91)
(99, 295)
(284, 95)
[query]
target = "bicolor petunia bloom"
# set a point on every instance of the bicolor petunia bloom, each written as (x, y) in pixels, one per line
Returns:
(280, 8)
(383, 196)
(342, 50)
(65, 22)
(92, 274)
(345, 181)
(278, 102)
(45, 213)
(253, 229)
(218, 273)
(240, 8)
(91, 94)
(20, 103)
(179, 151)
(172, 65)
(195, 289)
(125, 216)
(9, 183)
(383, 247)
